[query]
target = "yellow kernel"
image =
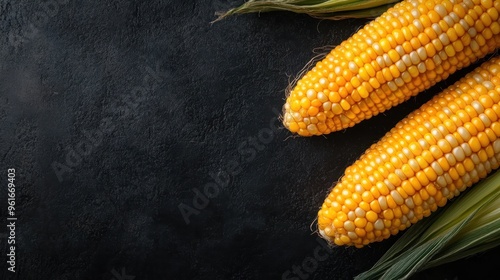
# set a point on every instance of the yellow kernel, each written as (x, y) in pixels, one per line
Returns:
(371, 216)
(375, 206)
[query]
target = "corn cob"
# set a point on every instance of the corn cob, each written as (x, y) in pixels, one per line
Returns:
(406, 50)
(431, 156)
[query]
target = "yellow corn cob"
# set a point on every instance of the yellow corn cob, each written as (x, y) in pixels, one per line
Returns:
(431, 156)
(406, 50)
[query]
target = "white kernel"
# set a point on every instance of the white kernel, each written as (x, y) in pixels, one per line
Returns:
(297, 116)
(389, 184)
(349, 225)
(436, 133)
(472, 32)
(414, 12)
(468, 3)
(359, 188)
(466, 180)
(455, 17)
(352, 235)
(311, 93)
(353, 67)
(464, 133)
(464, 24)
(475, 159)
(494, 163)
(410, 215)
(489, 85)
(452, 140)
(437, 168)
(379, 224)
(449, 21)
(486, 121)
(445, 192)
(380, 61)
(360, 213)
(477, 106)
(437, 59)
(425, 205)
(399, 82)
(377, 48)
(383, 202)
(416, 22)
(312, 128)
(387, 59)
(442, 54)
(415, 59)
(414, 164)
(487, 167)
(447, 111)
(459, 154)
(496, 146)
(327, 106)
(406, 77)
(407, 152)
(401, 66)
(404, 219)
(441, 10)
(400, 174)
(442, 128)
(441, 181)
(479, 79)
(409, 202)
(351, 215)
(401, 51)
(428, 125)
(474, 176)
(406, 59)
(397, 197)
(450, 158)
(423, 144)
(431, 201)
(322, 97)
(445, 40)
(437, 28)
(392, 86)
(422, 53)
(338, 70)
(421, 67)
(467, 150)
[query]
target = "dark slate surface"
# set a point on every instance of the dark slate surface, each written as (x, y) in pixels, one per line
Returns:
(139, 105)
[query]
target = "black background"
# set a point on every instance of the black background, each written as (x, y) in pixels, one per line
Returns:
(78, 69)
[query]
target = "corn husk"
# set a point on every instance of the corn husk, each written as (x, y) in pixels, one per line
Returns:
(468, 225)
(323, 9)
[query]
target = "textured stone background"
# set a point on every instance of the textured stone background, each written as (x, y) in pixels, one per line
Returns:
(137, 104)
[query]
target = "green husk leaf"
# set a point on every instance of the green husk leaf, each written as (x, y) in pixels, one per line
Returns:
(323, 9)
(468, 225)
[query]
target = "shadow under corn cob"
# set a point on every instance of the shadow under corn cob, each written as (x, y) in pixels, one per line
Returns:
(432, 155)
(406, 50)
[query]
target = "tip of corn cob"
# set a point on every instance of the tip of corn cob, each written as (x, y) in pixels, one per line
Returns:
(431, 156)
(406, 50)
